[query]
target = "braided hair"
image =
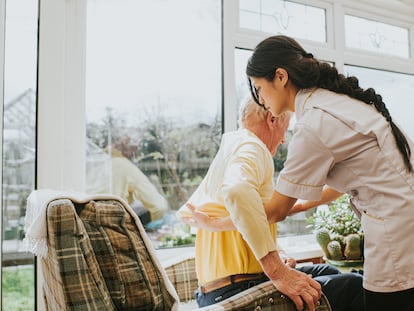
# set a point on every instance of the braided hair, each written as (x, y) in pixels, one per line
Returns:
(305, 72)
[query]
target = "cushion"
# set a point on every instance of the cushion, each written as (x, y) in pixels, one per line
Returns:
(101, 260)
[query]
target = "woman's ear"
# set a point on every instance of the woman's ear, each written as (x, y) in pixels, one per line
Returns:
(282, 76)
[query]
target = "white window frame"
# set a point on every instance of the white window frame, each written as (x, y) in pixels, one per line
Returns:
(333, 51)
(61, 82)
(61, 79)
(2, 41)
(61, 119)
(61, 141)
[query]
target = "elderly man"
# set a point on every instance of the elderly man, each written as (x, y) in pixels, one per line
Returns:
(239, 181)
(231, 258)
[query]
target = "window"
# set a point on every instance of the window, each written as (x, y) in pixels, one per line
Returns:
(159, 75)
(19, 144)
(293, 18)
(374, 36)
(153, 103)
(395, 89)
(285, 17)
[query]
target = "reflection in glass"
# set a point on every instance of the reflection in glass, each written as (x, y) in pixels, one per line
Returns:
(395, 89)
(153, 101)
(284, 17)
(365, 34)
(19, 139)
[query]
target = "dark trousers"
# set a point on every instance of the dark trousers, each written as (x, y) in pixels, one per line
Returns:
(343, 290)
(225, 292)
(401, 301)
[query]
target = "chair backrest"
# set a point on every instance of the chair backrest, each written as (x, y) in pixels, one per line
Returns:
(99, 258)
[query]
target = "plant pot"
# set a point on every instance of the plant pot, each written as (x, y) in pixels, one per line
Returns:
(344, 263)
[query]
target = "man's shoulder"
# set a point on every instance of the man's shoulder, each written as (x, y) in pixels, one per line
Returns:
(243, 136)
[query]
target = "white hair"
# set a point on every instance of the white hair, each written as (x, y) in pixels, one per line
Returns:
(250, 111)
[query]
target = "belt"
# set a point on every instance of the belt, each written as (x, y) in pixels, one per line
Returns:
(228, 280)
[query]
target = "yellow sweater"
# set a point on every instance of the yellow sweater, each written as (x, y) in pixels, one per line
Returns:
(238, 183)
(219, 254)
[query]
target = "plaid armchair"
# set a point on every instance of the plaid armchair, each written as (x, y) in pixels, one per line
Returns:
(260, 297)
(99, 258)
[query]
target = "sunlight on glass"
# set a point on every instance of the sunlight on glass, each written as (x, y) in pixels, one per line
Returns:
(284, 17)
(395, 89)
(153, 104)
(365, 34)
(19, 143)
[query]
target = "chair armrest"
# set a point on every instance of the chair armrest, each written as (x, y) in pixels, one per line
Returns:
(183, 277)
(261, 297)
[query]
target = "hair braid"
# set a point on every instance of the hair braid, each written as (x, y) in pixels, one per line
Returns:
(330, 79)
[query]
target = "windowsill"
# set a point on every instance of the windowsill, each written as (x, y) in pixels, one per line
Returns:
(169, 256)
(300, 247)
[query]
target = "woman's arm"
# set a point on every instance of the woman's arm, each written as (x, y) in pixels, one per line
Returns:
(278, 207)
(329, 194)
(276, 210)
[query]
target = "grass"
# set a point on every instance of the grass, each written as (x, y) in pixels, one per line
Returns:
(18, 288)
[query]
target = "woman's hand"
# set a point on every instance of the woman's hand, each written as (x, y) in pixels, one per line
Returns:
(299, 206)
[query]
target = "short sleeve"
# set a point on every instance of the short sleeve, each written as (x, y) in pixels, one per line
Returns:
(306, 167)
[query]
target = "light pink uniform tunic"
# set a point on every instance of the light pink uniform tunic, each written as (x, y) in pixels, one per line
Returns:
(349, 146)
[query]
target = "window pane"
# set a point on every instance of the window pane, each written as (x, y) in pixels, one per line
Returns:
(292, 225)
(395, 89)
(365, 34)
(19, 143)
(284, 17)
(153, 104)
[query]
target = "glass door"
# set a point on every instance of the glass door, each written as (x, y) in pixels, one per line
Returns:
(18, 150)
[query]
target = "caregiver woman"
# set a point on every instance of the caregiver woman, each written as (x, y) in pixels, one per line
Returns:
(344, 138)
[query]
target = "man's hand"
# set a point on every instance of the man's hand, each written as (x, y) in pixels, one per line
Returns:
(197, 219)
(298, 286)
(202, 220)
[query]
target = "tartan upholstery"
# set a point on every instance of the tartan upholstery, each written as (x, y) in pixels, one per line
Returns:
(184, 278)
(260, 297)
(97, 260)
(73, 280)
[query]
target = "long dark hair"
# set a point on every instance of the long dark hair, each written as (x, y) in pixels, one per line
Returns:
(305, 71)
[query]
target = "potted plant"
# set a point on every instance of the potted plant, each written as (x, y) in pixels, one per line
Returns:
(338, 231)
